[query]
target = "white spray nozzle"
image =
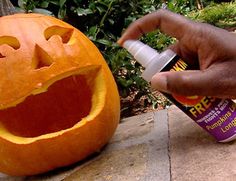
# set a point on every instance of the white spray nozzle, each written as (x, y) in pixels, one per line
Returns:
(148, 57)
(137, 49)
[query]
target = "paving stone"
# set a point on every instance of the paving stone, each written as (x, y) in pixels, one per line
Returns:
(138, 151)
(195, 155)
(115, 165)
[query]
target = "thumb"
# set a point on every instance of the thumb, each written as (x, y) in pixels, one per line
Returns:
(188, 83)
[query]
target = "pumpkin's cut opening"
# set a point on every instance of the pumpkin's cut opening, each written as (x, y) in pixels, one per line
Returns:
(63, 105)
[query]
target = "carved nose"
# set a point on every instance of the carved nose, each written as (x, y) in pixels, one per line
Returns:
(2, 56)
(41, 58)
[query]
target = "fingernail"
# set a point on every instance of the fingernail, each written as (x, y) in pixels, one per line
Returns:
(159, 82)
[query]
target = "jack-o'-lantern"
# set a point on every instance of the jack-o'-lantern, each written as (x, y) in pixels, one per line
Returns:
(58, 100)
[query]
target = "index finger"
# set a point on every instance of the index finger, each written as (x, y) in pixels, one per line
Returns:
(170, 23)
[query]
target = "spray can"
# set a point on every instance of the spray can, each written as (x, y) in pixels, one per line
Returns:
(216, 116)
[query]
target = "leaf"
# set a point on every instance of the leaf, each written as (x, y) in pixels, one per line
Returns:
(62, 2)
(61, 13)
(104, 42)
(42, 11)
(83, 12)
(92, 30)
(111, 21)
(55, 2)
(19, 10)
(44, 4)
(124, 82)
(100, 9)
(21, 4)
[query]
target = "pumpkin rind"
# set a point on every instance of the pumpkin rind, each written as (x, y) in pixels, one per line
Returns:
(39, 51)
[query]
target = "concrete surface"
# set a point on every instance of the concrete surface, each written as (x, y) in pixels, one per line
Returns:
(195, 155)
(158, 146)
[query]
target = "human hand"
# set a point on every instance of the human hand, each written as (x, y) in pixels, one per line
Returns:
(210, 48)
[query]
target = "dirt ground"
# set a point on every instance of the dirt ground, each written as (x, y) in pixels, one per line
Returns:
(131, 107)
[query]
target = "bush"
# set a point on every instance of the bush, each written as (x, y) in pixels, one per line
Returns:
(103, 22)
(222, 15)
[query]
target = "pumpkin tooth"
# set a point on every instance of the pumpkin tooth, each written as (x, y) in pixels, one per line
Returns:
(11, 41)
(64, 33)
(39, 85)
(41, 58)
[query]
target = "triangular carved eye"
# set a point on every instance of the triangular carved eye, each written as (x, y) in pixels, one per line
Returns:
(64, 33)
(10, 41)
(41, 58)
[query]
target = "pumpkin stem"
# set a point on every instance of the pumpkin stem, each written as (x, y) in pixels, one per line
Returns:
(6, 8)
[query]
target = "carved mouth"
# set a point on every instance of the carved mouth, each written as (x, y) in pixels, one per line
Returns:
(65, 103)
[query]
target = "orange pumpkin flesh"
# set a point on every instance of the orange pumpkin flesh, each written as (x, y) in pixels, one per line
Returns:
(65, 103)
(58, 102)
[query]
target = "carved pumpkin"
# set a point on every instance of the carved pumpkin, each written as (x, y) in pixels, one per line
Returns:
(58, 100)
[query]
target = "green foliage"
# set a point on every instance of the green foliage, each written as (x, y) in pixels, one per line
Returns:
(104, 20)
(181, 6)
(157, 40)
(221, 15)
(30, 5)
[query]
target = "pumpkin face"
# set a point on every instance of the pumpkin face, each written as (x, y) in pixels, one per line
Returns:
(58, 100)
